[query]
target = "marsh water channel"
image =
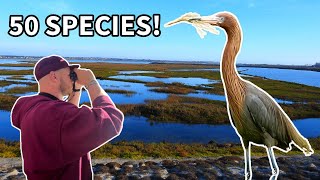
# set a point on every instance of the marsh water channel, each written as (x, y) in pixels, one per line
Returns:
(140, 129)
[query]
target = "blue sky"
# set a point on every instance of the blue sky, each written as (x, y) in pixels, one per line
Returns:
(274, 32)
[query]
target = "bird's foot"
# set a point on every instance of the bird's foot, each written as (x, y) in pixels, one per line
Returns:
(273, 177)
(248, 176)
(275, 174)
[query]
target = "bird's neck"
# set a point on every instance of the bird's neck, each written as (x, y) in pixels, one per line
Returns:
(234, 86)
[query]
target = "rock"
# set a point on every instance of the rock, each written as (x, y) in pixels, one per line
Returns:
(150, 163)
(312, 167)
(141, 164)
(168, 163)
(13, 172)
(127, 169)
(209, 176)
(189, 175)
(264, 161)
(128, 163)
(156, 177)
(97, 177)
(114, 165)
(122, 177)
(232, 160)
(184, 167)
(100, 168)
(261, 175)
(236, 171)
(163, 173)
(203, 164)
(173, 177)
(282, 160)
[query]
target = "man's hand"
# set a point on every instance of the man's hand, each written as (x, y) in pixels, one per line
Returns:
(88, 79)
(85, 76)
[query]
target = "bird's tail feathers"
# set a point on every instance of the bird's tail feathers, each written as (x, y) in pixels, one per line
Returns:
(303, 144)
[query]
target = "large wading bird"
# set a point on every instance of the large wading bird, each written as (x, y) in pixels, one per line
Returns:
(255, 115)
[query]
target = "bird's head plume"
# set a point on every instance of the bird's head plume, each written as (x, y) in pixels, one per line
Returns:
(206, 23)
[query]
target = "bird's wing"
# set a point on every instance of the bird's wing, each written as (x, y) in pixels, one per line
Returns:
(266, 114)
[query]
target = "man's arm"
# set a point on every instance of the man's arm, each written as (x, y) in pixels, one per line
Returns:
(88, 79)
(84, 129)
(75, 97)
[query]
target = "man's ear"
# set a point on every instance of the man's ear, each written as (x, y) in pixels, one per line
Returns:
(53, 76)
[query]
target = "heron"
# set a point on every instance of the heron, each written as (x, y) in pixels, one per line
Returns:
(256, 117)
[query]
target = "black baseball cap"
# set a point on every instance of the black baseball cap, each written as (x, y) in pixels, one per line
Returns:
(51, 63)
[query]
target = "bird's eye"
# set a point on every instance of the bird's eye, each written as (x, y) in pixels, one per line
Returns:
(221, 19)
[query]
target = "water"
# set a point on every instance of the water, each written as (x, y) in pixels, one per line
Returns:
(186, 81)
(310, 78)
(137, 72)
(204, 69)
(21, 79)
(142, 92)
(6, 130)
(13, 61)
(5, 88)
(117, 61)
(139, 129)
(12, 68)
(202, 94)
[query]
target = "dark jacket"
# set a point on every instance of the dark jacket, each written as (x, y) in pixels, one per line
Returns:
(57, 136)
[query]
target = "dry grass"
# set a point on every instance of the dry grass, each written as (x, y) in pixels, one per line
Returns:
(140, 150)
(7, 101)
(180, 109)
(120, 91)
(287, 90)
(173, 88)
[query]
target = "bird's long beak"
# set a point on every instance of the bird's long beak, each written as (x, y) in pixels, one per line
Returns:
(213, 20)
(171, 23)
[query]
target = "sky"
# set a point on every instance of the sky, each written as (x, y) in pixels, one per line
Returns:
(274, 32)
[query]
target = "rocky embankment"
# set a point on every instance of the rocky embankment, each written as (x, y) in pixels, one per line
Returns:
(232, 167)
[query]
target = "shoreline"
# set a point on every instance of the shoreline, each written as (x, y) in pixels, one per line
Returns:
(229, 167)
(314, 67)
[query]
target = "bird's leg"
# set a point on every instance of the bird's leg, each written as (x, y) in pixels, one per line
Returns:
(247, 169)
(273, 164)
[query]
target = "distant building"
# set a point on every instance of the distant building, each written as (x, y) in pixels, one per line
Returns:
(317, 65)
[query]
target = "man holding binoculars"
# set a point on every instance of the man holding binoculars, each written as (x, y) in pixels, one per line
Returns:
(57, 136)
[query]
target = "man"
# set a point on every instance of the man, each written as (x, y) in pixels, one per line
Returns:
(57, 136)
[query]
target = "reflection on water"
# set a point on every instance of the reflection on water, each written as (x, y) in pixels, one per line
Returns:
(186, 81)
(310, 78)
(142, 92)
(139, 129)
